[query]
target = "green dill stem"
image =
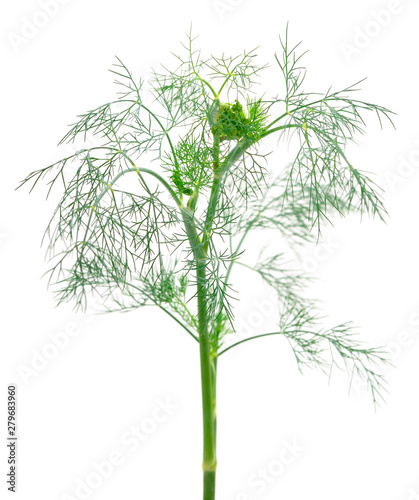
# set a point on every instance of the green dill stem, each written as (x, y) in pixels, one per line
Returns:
(208, 361)
(214, 396)
(209, 464)
(207, 376)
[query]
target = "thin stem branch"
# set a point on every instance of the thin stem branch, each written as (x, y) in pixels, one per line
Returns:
(246, 340)
(138, 170)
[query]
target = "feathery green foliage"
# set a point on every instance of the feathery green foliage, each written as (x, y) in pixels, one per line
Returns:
(158, 212)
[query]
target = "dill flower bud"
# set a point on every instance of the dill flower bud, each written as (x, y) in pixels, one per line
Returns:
(228, 121)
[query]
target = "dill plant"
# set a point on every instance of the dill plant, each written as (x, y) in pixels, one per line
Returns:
(157, 212)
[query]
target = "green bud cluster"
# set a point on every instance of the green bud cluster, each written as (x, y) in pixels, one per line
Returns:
(229, 121)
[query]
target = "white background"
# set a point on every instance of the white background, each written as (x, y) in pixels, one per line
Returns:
(74, 410)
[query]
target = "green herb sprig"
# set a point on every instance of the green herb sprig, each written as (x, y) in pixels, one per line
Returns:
(158, 213)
